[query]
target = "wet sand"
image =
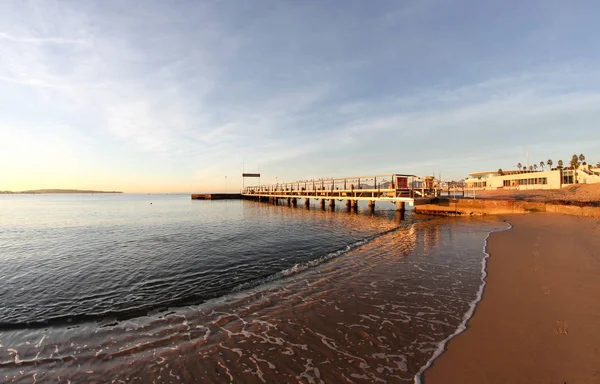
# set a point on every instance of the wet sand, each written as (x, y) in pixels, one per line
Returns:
(539, 319)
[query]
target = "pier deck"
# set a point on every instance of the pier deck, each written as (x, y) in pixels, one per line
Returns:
(394, 188)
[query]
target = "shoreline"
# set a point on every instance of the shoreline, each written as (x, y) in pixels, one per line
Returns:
(535, 321)
(463, 326)
(370, 316)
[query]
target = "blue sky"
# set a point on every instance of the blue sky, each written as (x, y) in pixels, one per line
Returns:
(172, 96)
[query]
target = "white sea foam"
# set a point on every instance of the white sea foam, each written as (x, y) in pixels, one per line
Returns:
(467, 316)
(297, 268)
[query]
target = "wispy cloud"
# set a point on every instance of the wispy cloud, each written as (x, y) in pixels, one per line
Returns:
(175, 92)
(41, 40)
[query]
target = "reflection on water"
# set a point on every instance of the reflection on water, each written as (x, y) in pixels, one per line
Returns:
(71, 259)
(374, 314)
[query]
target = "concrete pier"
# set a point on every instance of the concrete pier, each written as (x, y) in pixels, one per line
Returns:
(216, 196)
(472, 207)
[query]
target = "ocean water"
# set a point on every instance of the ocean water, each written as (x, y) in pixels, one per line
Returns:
(159, 288)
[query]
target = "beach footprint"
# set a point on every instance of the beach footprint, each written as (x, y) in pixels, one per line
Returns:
(546, 290)
(537, 269)
(561, 327)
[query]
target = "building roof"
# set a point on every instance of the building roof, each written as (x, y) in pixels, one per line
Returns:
(507, 172)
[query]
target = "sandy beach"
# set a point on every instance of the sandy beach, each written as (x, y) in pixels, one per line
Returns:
(539, 319)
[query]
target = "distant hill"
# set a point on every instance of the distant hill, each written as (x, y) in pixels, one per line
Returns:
(47, 191)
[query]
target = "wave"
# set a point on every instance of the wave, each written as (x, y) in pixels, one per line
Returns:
(467, 316)
(298, 268)
(111, 318)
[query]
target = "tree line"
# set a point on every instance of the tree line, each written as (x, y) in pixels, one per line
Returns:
(575, 162)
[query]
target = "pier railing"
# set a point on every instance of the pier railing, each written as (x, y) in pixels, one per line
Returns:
(373, 187)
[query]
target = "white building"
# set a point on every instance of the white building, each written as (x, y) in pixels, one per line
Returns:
(551, 179)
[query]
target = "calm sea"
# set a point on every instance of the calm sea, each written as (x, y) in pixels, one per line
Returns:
(159, 288)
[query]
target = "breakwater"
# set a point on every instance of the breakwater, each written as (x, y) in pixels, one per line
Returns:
(479, 207)
(216, 196)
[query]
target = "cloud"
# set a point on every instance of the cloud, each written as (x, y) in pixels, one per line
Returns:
(42, 40)
(478, 126)
(191, 90)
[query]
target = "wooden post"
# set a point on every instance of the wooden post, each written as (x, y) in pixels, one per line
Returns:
(322, 203)
(307, 202)
(332, 203)
(294, 202)
(401, 206)
(371, 205)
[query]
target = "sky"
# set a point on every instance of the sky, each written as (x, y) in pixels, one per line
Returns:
(181, 96)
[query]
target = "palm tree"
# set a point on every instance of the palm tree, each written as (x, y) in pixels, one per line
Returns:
(531, 167)
(574, 165)
(582, 158)
(560, 164)
(519, 166)
(500, 172)
(535, 167)
(542, 164)
(574, 162)
(549, 162)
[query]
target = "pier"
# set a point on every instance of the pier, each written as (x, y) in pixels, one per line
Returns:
(399, 189)
(216, 196)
